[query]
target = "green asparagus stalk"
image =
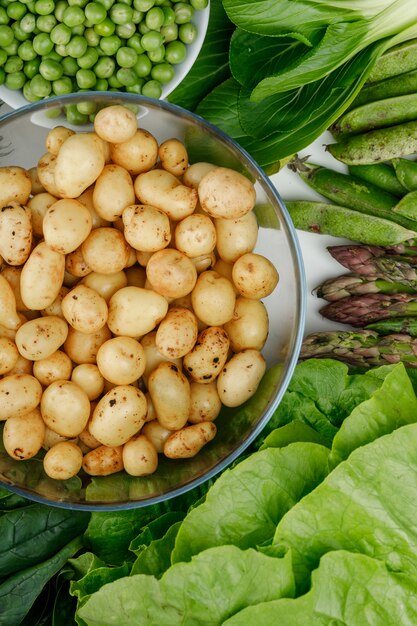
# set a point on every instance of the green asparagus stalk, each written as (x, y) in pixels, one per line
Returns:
(361, 348)
(353, 285)
(399, 325)
(361, 310)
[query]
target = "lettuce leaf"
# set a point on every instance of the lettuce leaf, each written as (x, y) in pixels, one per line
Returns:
(215, 585)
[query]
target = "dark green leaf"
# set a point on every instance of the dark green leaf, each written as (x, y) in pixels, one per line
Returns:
(154, 530)
(155, 559)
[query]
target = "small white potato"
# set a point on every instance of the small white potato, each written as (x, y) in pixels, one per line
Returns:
(208, 356)
(9, 355)
(249, 325)
(213, 298)
(12, 275)
(106, 284)
(136, 276)
(22, 366)
(103, 461)
(164, 191)
(195, 172)
(187, 442)
(86, 198)
(66, 224)
(9, 317)
(223, 192)
(39, 205)
(84, 309)
(170, 393)
(204, 262)
(137, 154)
(177, 333)
(113, 192)
(63, 460)
(153, 357)
(88, 377)
(46, 173)
(121, 360)
(156, 434)
(76, 265)
(78, 164)
(56, 137)
(254, 276)
(56, 366)
(171, 273)
(35, 182)
(42, 277)
(55, 308)
(195, 235)
(39, 338)
(146, 228)
(87, 438)
(240, 377)
(15, 185)
(140, 457)
(105, 250)
(173, 156)
(15, 233)
(205, 403)
(65, 408)
(83, 347)
(236, 236)
(23, 435)
(19, 394)
(51, 438)
(119, 415)
(125, 305)
(115, 123)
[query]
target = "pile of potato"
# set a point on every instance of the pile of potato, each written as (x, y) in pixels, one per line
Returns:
(130, 300)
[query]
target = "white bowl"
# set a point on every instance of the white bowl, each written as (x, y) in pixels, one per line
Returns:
(15, 98)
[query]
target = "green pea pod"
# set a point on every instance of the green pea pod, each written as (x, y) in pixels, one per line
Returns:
(397, 60)
(406, 172)
(378, 145)
(389, 88)
(331, 219)
(407, 206)
(381, 175)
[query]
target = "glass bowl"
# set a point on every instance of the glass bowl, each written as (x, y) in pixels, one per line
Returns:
(15, 98)
(22, 143)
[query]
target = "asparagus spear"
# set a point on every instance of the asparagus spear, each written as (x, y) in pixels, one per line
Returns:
(353, 285)
(402, 325)
(362, 310)
(362, 348)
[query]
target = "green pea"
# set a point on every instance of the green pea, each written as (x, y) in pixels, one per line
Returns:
(126, 76)
(28, 95)
(18, 33)
(28, 23)
(26, 51)
(87, 108)
(3, 57)
(158, 55)
(61, 50)
(121, 13)
(12, 48)
(70, 66)
(42, 44)
(107, 4)
(53, 56)
(40, 87)
(129, 2)
(77, 47)
(89, 59)
(154, 18)
(77, 3)
(74, 116)
(4, 18)
(105, 67)
(170, 33)
(31, 68)
(114, 82)
(143, 66)
(44, 7)
(183, 13)
(175, 52)
(136, 88)
(169, 16)
(60, 7)
(110, 45)
(86, 79)
(6, 36)
(46, 23)
(92, 38)
(126, 30)
(73, 16)
(163, 72)
(134, 42)
(101, 84)
(142, 28)
(152, 40)
(106, 28)
(152, 89)
(60, 34)
(15, 80)
(95, 12)
(62, 86)
(137, 16)
(143, 5)
(199, 5)
(77, 30)
(50, 70)
(16, 10)
(13, 64)
(126, 57)
(187, 33)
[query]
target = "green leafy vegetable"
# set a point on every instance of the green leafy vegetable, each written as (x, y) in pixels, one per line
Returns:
(215, 585)
(155, 559)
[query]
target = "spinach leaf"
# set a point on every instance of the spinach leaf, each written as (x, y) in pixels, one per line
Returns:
(19, 592)
(245, 504)
(368, 504)
(32, 534)
(213, 586)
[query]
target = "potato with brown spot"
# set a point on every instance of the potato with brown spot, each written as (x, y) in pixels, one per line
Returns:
(170, 393)
(103, 461)
(205, 361)
(57, 366)
(15, 185)
(249, 325)
(187, 442)
(124, 307)
(42, 277)
(84, 309)
(23, 435)
(177, 333)
(213, 298)
(171, 273)
(223, 192)
(164, 191)
(63, 460)
(83, 347)
(115, 123)
(66, 224)
(254, 276)
(240, 377)
(137, 154)
(15, 233)
(19, 394)
(173, 156)
(195, 235)
(105, 250)
(140, 457)
(121, 360)
(9, 355)
(39, 338)
(146, 228)
(119, 415)
(205, 403)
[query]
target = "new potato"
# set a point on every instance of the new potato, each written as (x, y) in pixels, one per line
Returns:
(39, 338)
(78, 164)
(140, 457)
(66, 224)
(119, 415)
(121, 360)
(240, 377)
(15, 233)
(65, 408)
(63, 460)
(15, 185)
(84, 309)
(42, 277)
(19, 394)
(23, 435)
(170, 393)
